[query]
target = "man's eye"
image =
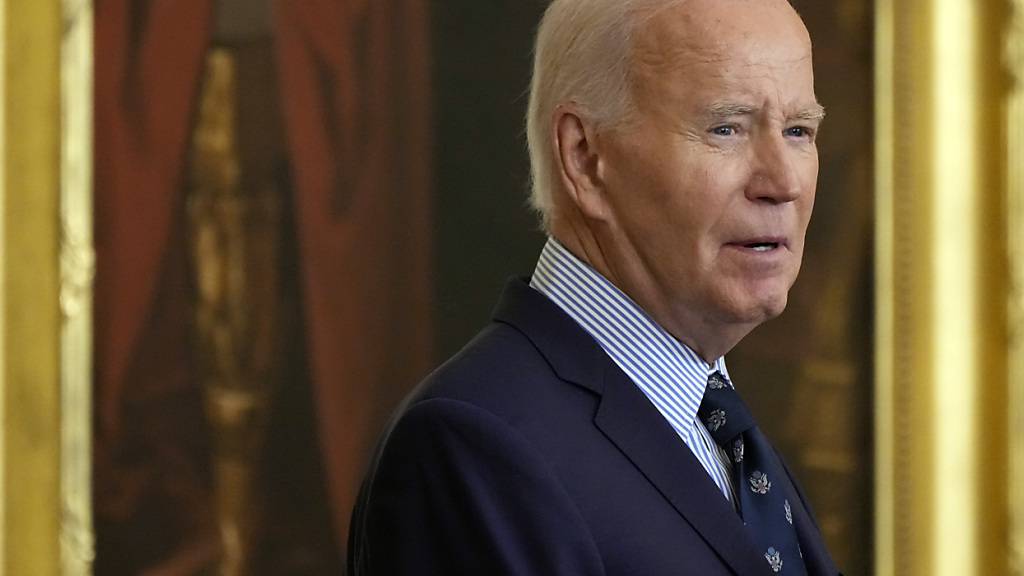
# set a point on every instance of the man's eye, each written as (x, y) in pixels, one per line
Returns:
(799, 132)
(724, 130)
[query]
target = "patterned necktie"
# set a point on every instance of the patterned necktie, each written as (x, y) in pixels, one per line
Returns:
(761, 486)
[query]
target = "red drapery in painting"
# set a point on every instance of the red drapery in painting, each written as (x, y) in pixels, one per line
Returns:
(354, 81)
(148, 66)
(150, 471)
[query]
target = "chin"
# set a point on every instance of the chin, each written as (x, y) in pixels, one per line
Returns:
(752, 300)
(776, 307)
(771, 297)
(759, 308)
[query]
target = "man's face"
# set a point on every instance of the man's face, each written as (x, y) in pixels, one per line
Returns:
(710, 186)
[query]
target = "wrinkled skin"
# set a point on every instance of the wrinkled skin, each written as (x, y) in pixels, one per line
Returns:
(697, 205)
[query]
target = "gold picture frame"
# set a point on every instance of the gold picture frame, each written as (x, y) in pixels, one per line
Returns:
(1013, 57)
(77, 271)
(46, 250)
(949, 265)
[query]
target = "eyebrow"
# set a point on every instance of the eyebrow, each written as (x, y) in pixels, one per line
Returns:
(729, 109)
(815, 112)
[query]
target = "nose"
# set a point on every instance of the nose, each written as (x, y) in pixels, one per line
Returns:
(773, 177)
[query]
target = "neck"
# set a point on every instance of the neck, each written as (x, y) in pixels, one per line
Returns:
(709, 339)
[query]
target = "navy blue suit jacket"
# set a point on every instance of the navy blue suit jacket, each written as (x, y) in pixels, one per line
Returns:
(531, 453)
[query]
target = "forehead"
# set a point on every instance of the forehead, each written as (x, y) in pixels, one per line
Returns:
(722, 26)
(731, 45)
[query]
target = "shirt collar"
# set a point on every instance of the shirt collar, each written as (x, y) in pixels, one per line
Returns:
(671, 374)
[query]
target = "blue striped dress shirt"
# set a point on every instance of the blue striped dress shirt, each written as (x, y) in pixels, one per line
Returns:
(667, 371)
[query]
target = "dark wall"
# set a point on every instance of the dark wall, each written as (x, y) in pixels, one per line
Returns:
(484, 232)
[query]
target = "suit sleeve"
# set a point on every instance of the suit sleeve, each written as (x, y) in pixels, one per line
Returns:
(458, 491)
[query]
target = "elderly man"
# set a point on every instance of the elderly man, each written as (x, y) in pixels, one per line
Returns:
(592, 427)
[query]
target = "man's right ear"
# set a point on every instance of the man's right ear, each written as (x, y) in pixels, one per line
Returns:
(579, 164)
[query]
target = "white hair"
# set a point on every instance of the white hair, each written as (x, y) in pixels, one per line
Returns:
(583, 56)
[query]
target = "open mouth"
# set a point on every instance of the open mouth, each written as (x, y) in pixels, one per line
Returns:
(761, 246)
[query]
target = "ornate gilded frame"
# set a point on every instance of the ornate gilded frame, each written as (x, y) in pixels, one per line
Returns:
(46, 271)
(77, 270)
(1014, 60)
(949, 287)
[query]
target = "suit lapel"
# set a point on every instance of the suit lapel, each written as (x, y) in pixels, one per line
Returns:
(629, 420)
(635, 426)
(816, 556)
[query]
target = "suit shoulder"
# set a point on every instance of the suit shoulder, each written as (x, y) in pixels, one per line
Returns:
(503, 372)
(498, 357)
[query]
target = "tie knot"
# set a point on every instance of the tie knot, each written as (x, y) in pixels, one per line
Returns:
(723, 412)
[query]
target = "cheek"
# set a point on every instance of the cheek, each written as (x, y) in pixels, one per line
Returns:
(715, 196)
(810, 179)
(808, 174)
(724, 175)
(807, 202)
(700, 186)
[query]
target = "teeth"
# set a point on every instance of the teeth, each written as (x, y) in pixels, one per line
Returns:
(763, 247)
